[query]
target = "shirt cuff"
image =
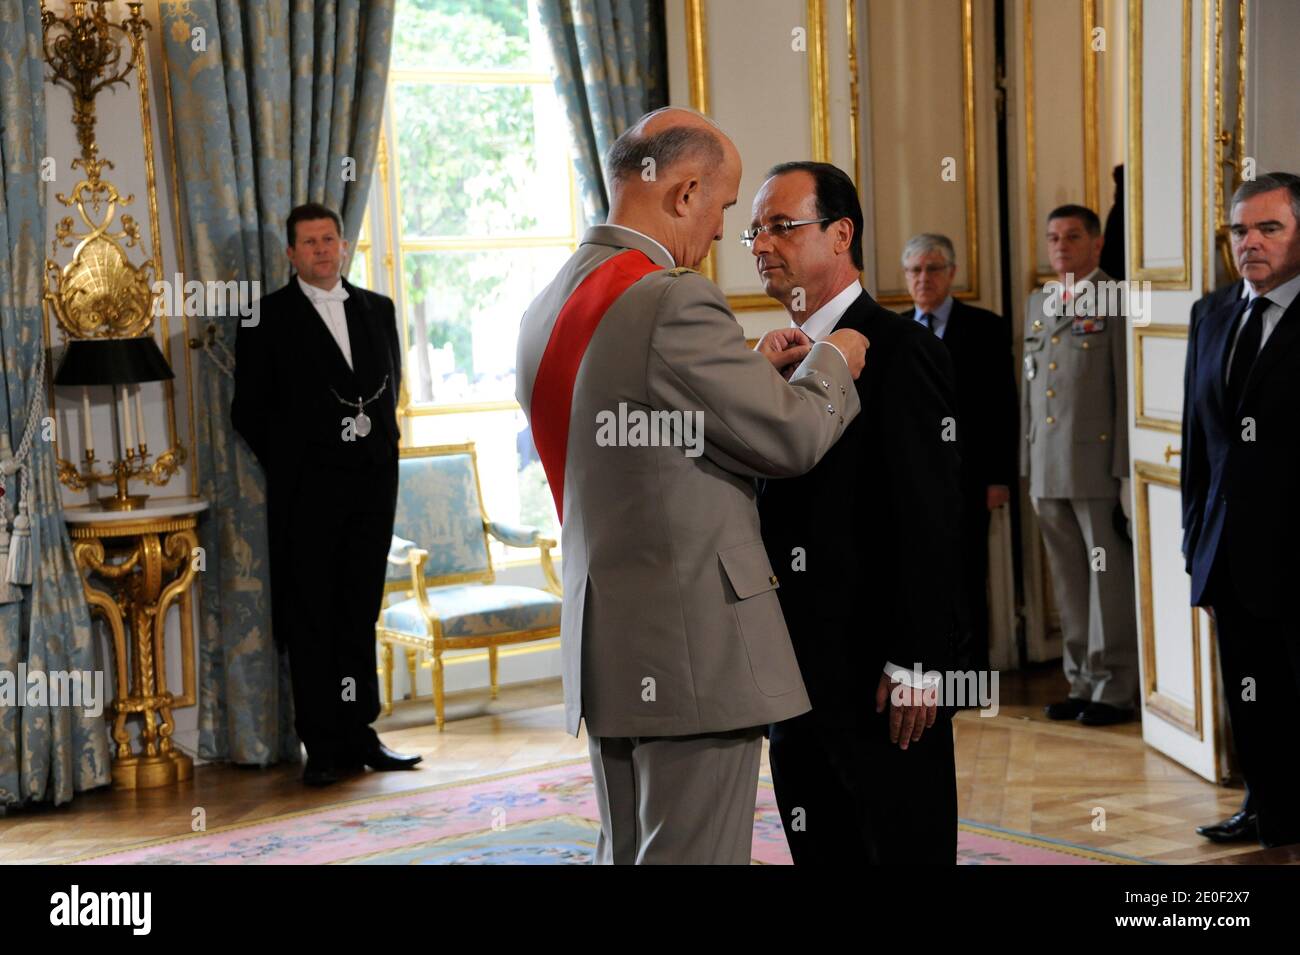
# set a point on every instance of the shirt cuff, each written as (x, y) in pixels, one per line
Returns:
(913, 678)
(833, 345)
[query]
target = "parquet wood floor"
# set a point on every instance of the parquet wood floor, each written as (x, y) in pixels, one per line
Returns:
(1017, 770)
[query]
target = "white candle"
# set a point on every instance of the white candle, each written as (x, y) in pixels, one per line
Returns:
(88, 442)
(127, 430)
(117, 428)
(139, 416)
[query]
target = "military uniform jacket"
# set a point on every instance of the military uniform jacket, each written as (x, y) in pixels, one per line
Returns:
(1074, 398)
(671, 624)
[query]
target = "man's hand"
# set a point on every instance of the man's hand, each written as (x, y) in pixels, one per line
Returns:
(998, 494)
(912, 711)
(784, 348)
(852, 345)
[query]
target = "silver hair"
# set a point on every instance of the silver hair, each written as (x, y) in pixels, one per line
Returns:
(1270, 182)
(929, 242)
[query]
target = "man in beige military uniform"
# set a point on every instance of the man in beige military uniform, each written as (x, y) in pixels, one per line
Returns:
(1074, 421)
(652, 418)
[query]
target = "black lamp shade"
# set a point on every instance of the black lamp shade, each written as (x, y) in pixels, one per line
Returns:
(112, 361)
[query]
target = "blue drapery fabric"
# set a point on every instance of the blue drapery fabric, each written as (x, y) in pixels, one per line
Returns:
(610, 69)
(275, 103)
(47, 752)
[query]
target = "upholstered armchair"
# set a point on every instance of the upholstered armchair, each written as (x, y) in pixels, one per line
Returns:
(441, 568)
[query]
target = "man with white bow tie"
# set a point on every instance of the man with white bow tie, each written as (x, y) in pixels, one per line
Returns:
(316, 384)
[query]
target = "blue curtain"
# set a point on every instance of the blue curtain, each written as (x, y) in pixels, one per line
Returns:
(46, 752)
(276, 103)
(610, 69)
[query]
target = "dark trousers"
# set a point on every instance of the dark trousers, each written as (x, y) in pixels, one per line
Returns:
(1266, 652)
(972, 651)
(849, 796)
(340, 532)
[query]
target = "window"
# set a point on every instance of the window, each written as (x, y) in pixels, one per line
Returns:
(478, 206)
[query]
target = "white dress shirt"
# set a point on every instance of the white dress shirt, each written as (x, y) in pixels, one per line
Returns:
(1281, 297)
(821, 322)
(817, 326)
(329, 305)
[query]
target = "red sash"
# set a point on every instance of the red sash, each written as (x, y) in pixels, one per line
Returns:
(570, 336)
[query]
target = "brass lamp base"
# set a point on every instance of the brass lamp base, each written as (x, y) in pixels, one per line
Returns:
(119, 502)
(151, 772)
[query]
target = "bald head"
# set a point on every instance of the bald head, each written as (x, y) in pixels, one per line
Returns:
(660, 141)
(671, 175)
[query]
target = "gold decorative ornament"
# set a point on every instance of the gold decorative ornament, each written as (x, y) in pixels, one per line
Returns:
(100, 294)
(146, 566)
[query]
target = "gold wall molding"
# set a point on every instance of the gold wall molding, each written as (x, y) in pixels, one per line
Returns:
(1031, 195)
(1164, 277)
(1176, 713)
(1228, 147)
(1140, 334)
(1091, 138)
(855, 89)
(818, 82)
(1209, 27)
(1091, 95)
(697, 78)
(972, 290)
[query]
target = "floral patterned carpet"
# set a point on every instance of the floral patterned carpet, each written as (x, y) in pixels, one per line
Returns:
(541, 816)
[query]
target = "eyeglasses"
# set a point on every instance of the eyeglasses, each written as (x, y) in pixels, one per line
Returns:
(931, 269)
(777, 230)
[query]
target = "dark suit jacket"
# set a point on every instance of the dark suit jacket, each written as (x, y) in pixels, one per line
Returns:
(988, 409)
(1205, 305)
(1239, 493)
(878, 522)
(285, 368)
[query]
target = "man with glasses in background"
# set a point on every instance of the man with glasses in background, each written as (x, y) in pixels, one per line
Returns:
(979, 343)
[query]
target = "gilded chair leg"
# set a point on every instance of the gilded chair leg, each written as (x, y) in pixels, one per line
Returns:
(387, 655)
(437, 690)
(492, 669)
(412, 666)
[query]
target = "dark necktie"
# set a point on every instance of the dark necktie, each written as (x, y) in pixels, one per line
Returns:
(1247, 350)
(928, 321)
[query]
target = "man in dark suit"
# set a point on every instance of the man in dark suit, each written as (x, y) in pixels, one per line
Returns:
(979, 343)
(1242, 825)
(316, 383)
(866, 547)
(1241, 455)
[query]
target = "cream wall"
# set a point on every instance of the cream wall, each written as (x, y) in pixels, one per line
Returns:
(1273, 88)
(925, 90)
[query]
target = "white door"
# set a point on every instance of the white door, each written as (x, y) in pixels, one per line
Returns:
(1172, 214)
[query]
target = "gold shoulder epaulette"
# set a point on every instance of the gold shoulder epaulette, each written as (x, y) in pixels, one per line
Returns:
(682, 270)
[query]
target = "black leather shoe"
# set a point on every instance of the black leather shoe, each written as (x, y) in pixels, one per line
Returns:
(1103, 714)
(1067, 709)
(381, 759)
(319, 773)
(1242, 826)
